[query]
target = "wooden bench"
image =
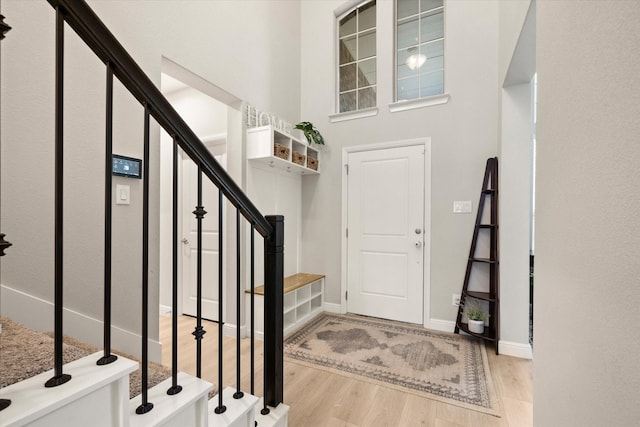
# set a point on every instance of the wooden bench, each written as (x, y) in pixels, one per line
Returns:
(303, 300)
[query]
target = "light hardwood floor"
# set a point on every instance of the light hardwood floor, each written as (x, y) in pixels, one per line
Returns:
(318, 398)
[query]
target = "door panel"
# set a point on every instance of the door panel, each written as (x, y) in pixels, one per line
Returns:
(385, 216)
(210, 248)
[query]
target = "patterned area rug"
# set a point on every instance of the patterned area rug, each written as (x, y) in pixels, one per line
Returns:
(447, 367)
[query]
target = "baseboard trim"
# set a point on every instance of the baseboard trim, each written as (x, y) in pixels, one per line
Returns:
(332, 308)
(165, 310)
(515, 349)
(20, 307)
(259, 335)
(229, 330)
(441, 325)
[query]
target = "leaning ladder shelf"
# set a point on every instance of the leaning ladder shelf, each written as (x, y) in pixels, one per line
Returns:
(488, 196)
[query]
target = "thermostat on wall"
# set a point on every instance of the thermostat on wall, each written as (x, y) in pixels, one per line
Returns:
(126, 166)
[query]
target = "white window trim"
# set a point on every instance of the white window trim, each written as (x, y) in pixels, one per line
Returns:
(352, 115)
(347, 6)
(412, 104)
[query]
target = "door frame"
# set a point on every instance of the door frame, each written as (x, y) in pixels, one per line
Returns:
(426, 274)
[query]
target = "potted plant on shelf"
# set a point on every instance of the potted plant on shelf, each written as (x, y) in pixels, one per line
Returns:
(476, 317)
(310, 132)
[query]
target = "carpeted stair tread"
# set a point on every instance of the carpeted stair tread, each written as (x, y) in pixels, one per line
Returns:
(25, 353)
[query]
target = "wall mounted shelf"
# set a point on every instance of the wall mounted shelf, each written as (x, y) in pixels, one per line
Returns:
(261, 143)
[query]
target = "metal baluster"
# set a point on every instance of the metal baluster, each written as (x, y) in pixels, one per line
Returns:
(58, 377)
(145, 406)
(108, 164)
(199, 332)
(4, 403)
(4, 244)
(221, 408)
(175, 388)
(253, 284)
(4, 28)
(238, 394)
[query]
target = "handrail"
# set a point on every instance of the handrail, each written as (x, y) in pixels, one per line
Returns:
(97, 36)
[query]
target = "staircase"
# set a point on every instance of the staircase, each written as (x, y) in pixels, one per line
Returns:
(99, 396)
(94, 390)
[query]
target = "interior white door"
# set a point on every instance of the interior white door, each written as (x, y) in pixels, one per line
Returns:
(210, 246)
(386, 233)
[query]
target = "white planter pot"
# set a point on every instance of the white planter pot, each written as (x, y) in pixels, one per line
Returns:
(476, 326)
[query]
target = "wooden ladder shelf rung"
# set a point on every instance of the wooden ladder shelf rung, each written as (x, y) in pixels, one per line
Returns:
(488, 198)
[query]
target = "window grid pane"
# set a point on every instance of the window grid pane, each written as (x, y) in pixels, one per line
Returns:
(367, 73)
(431, 27)
(347, 50)
(366, 45)
(420, 35)
(430, 4)
(348, 24)
(431, 84)
(407, 8)
(348, 77)
(367, 98)
(348, 102)
(357, 59)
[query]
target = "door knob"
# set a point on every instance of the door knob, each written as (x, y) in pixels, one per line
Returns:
(418, 230)
(418, 244)
(185, 241)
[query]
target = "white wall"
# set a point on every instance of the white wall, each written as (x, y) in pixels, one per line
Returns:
(512, 17)
(249, 48)
(517, 67)
(464, 133)
(587, 214)
(515, 216)
(278, 192)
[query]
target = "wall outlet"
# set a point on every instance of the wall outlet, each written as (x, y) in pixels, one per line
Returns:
(462, 206)
(455, 300)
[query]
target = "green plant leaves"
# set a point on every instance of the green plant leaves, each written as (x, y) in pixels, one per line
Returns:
(310, 132)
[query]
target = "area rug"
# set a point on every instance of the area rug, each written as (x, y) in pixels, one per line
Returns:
(25, 353)
(447, 367)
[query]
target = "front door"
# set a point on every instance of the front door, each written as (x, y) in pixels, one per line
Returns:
(385, 216)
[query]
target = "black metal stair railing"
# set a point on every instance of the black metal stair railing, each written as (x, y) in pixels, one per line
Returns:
(79, 16)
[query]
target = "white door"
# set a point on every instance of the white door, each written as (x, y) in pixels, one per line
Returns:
(385, 216)
(210, 247)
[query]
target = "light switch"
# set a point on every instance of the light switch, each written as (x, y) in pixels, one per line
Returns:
(122, 195)
(462, 206)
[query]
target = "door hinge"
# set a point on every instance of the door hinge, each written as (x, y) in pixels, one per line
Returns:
(347, 168)
(346, 295)
(346, 233)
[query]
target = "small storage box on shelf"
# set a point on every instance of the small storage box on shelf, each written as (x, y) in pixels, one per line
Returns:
(271, 146)
(303, 300)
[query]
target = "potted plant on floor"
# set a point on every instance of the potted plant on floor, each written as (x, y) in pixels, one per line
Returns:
(476, 317)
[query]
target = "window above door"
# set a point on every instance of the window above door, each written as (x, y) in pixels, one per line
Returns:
(357, 58)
